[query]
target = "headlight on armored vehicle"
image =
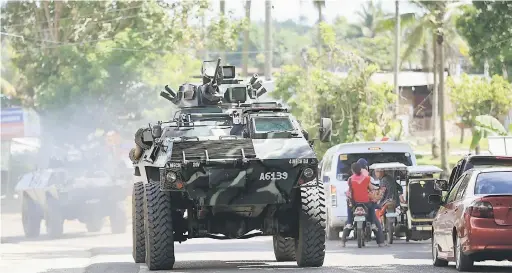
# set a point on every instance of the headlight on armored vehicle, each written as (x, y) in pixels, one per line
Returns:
(308, 172)
(171, 176)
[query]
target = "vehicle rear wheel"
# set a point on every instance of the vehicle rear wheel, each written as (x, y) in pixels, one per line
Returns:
(310, 243)
(94, 224)
(159, 228)
(284, 248)
(54, 218)
(390, 228)
(118, 221)
(138, 231)
(408, 235)
(360, 237)
(435, 260)
(462, 261)
(332, 233)
(30, 217)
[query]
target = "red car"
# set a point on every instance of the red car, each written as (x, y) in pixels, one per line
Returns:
(474, 221)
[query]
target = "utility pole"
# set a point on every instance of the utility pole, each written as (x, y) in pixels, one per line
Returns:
(245, 56)
(435, 104)
(444, 144)
(223, 14)
(397, 56)
(268, 40)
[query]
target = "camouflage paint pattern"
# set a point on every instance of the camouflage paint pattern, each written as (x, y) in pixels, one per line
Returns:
(264, 173)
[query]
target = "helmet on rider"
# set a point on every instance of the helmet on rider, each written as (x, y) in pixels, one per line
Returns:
(363, 163)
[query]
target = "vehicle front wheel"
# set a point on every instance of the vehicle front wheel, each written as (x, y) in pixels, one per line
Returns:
(310, 243)
(435, 259)
(94, 223)
(118, 221)
(462, 261)
(159, 228)
(138, 232)
(31, 218)
(54, 218)
(284, 248)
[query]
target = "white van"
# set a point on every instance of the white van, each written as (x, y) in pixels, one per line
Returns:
(335, 170)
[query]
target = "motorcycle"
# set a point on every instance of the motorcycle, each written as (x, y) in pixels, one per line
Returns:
(362, 227)
(388, 217)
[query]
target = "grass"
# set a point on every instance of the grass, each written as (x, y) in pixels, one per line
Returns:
(455, 145)
(428, 160)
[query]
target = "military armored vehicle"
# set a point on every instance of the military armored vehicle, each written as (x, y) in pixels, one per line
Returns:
(71, 188)
(227, 167)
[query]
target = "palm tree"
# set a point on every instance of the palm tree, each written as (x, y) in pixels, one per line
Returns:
(371, 16)
(245, 59)
(319, 5)
(435, 27)
(223, 14)
(268, 39)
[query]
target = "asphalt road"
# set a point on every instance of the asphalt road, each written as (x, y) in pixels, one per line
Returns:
(103, 252)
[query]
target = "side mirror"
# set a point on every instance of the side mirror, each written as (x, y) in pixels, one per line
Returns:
(441, 185)
(325, 129)
(435, 199)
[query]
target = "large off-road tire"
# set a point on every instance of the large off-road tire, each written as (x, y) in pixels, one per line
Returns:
(159, 228)
(118, 219)
(310, 243)
(54, 218)
(139, 139)
(30, 218)
(94, 224)
(138, 232)
(284, 248)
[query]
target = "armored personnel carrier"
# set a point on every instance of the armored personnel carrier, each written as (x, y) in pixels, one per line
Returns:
(227, 167)
(72, 188)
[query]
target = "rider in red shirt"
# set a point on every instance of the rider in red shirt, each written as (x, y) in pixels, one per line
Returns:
(359, 187)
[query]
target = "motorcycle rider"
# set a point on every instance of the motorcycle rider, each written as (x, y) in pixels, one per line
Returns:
(359, 186)
(392, 191)
(350, 213)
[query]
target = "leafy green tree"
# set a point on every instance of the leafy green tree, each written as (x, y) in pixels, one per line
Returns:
(486, 27)
(358, 107)
(474, 97)
(85, 64)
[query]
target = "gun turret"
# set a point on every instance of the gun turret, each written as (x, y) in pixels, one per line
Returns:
(219, 87)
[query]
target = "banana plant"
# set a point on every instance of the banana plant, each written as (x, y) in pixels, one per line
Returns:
(486, 125)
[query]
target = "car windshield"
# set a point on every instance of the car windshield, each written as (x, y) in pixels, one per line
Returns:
(346, 160)
(494, 183)
(268, 124)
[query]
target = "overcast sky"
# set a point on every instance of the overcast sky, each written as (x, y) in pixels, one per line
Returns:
(292, 9)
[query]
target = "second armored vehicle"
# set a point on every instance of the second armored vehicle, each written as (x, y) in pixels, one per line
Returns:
(224, 167)
(72, 189)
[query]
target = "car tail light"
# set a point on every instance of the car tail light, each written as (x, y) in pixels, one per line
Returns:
(334, 198)
(359, 211)
(481, 209)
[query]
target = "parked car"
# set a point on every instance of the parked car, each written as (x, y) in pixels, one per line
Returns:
(474, 222)
(334, 170)
(478, 162)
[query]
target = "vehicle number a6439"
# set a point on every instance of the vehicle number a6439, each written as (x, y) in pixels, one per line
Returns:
(274, 176)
